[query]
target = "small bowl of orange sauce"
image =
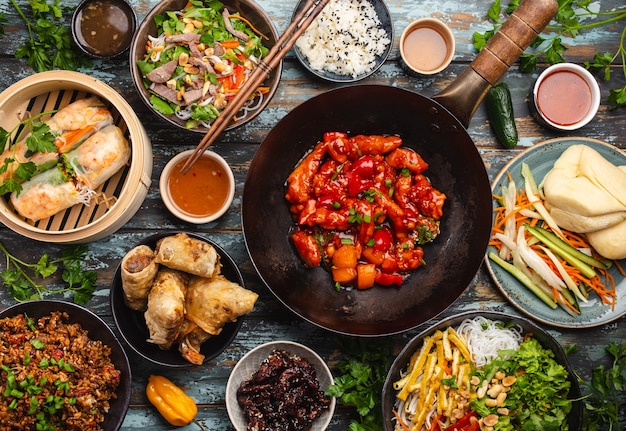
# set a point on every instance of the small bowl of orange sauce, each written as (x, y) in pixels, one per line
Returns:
(565, 97)
(204, 193)
(427, 46)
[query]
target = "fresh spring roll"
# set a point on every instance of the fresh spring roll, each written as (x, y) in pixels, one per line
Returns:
(188, 254)
(166, 307)
(99, 157)
(48, 193)
(71, 126)
(138, 271)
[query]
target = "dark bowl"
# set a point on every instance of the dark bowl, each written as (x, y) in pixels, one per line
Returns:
(98, 330)
(528, 327)
(386, 24)
(248, 9)
(455, 168)
(132, 325)
(116, 21)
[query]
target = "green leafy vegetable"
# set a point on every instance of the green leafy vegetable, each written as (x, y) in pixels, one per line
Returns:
(3, 20)
(19, 276)
(40, 139)
(364, 370)
(49, 45)
(607, 392)
(572, 17)
(538, 400)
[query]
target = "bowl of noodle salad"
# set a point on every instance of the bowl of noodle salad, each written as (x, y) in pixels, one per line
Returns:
(482, 370)
(190, 58)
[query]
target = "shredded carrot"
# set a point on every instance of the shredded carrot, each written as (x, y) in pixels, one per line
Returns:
(249, 24)
(603, 284)
(399, 419)
(230, 44)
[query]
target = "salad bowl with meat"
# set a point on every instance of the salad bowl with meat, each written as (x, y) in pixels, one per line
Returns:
(190, 58)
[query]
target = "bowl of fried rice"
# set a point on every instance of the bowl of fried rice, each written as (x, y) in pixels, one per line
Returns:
(68, 356)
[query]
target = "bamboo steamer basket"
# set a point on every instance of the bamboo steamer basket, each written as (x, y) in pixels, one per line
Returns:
(118, 199)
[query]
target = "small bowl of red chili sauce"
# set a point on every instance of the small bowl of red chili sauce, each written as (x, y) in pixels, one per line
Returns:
(104, 28)
(565, 97)
(201, 195)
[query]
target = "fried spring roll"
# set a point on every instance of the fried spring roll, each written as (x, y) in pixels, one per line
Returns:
(211, 303)
(138, 271)
(166, 307)
(188, 254)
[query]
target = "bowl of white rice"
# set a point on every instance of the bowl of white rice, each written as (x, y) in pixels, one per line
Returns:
(348, 41)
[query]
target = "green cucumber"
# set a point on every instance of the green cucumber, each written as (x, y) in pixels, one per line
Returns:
(501, 116)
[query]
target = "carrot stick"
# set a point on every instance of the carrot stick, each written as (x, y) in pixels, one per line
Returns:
(404, 426)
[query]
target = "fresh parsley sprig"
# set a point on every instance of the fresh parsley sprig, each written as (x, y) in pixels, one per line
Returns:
(605, 403)
(40, 139)
(19, 276)
(49, 45)
(364, 370)
(572, 17)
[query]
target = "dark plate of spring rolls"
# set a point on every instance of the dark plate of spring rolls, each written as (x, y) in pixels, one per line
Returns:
(177, 299)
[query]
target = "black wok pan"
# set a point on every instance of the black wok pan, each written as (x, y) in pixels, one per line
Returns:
(436, 129)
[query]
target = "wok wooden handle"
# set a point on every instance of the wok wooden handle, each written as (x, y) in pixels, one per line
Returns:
(515, 35)
(467, 91)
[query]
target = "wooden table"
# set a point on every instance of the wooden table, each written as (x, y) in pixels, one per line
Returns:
(270, 320)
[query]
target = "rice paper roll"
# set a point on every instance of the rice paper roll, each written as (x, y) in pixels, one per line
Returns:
(81, 114)
(46, 194)
(138, 271)
(166, 307)
(212, 303)
(100, 157)
(188, 254)
(71, 126)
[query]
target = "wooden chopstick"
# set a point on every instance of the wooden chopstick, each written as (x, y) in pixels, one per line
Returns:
(298, 25)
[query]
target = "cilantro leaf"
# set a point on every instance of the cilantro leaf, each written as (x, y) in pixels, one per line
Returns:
(364, 370)
(49, 45)
(22, 287)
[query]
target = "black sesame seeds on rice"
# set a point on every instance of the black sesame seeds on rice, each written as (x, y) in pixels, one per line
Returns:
(52, 375)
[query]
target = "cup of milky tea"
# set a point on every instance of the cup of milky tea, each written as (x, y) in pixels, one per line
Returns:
(427, 46)
(565, 97)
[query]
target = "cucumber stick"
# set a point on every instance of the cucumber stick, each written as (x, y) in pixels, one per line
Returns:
(501, 116)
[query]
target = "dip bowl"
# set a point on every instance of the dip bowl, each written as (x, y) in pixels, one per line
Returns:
(427, 46)
(103, 28)
(565, 97)
(204, 193)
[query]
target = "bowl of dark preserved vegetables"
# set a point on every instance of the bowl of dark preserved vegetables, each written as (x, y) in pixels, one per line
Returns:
(280, 385)
(189, 60)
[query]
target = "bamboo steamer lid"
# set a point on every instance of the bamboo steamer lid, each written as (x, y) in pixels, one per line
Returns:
(119, 198)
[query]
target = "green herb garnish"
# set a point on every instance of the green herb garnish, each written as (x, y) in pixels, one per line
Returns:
(364, 370)
(19, 276)
(40, 139)
(607, 392)
(49, 45)
(572, 17)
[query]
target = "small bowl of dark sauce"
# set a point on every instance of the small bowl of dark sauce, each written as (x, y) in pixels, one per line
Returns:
(565, 97)
(104, 28)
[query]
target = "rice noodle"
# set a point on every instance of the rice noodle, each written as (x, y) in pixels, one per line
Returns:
(485, 338)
